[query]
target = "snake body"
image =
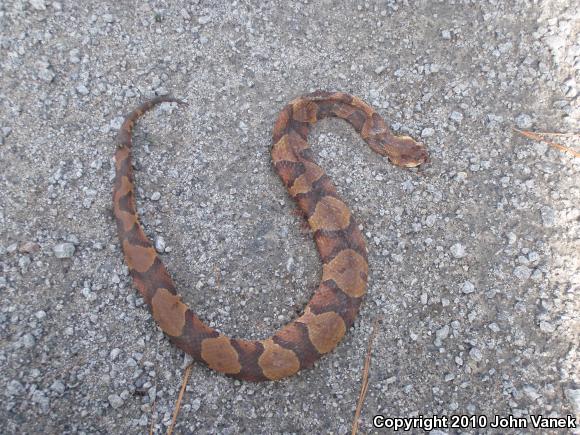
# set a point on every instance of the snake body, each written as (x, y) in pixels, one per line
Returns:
(334, 305)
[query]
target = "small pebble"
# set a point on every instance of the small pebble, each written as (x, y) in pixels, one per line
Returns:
(531, 392)
(456, 117)
(555, 42)
(82, 89)
(380, 69)
(39, 397)
(155, 196)
(467, 287)
(546, 326)
(204, 19)
(195, 405)
(574, 398)
(24, 262)
(475, 354)
(458, 250)
(115, 401)
(29, 247)
(441, 334)
(114, 354)
(58, 386)
(14, 388)
(548, 216)
(28, 341)
(38, 5)
(64, 250)
(511, 237)
(524, 121)
(160, 244)
(45, 72)
(427, 132)
(522, 272)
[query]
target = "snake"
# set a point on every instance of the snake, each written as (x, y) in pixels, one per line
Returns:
(334, 305)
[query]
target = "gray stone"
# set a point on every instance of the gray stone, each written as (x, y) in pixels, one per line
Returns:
(475, 354)
(38, 5)
(467, 287)
(44, 71)
(456, 117)
(115, 401)
(14, 388)
(204, 19)
(458, 250)
(555, 42)
(522, 272)
(58, 387)
(547, 327)
(441, 334)
(427, 132)
(82, 89)
(64, 250)
(524, 121)
(573, 396)
(548, 216)
(39, 397)
(160, 245)
(28, 341)
(380, 69)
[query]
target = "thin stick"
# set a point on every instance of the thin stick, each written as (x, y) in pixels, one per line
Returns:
(178, 402)
(151, 427)
(539, 137)
(549, 133)
(153, 405)
(365, 377)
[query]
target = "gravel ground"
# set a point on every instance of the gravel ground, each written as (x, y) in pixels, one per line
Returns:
(474, 261)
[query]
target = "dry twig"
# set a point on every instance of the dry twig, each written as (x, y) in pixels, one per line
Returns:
(153, 405)
(178, 402)
(365, 377)
(539, 136)
(152, 425)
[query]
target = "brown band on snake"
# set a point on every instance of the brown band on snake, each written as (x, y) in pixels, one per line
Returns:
(334, 305)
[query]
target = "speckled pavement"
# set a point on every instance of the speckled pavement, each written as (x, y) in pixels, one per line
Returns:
(474, 265)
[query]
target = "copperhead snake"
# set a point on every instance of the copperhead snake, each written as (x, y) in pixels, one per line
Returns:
(334, 305)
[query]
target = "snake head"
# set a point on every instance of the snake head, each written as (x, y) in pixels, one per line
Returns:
(406, 152)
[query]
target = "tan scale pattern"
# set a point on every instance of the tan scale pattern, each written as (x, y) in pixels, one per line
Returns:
(219, 354)
(278, 362)
(330, 214)
(281, 151)
(303, 183)
(348, 270)
(324, 330)
(137, 257)
(168, 311)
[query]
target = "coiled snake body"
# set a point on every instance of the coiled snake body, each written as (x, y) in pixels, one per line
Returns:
(334, 305)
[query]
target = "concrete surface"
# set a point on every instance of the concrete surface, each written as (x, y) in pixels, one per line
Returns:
(474, 262)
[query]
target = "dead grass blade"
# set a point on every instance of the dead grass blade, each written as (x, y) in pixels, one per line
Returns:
(178, 402)
(541, 137)
(152, 425)
(365, 377)
(153, 405)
